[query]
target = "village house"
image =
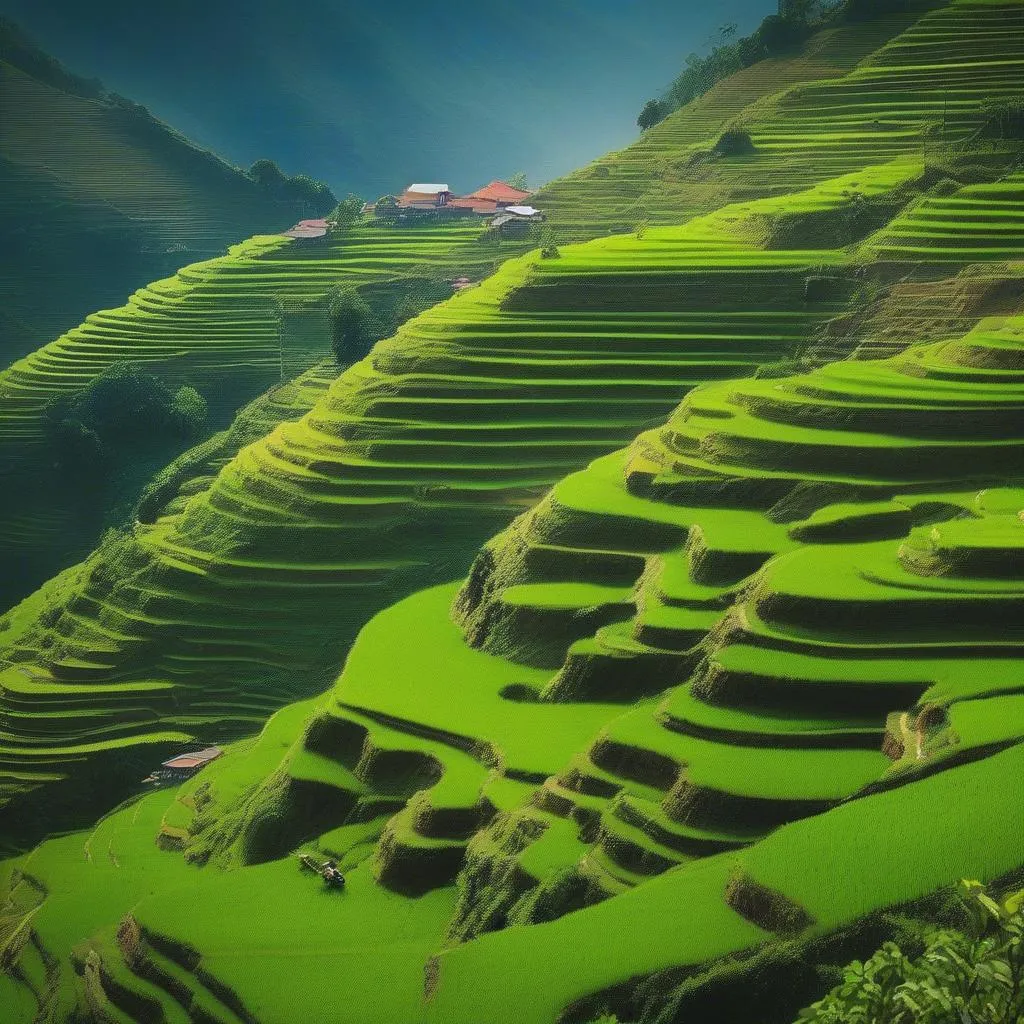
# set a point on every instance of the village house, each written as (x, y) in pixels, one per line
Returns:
(490, 199)
(184, 766)
(435, 199)
(308, 229)
(424, 196)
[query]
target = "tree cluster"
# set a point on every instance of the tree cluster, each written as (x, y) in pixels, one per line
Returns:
(776, 34)
(355, 327)
(346, 213)
(121, 408)
(314, 197)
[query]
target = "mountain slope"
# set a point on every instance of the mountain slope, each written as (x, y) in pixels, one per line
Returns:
(744, 682)
(600, 782)
(444, 432)
(98, 198)
(415, 454)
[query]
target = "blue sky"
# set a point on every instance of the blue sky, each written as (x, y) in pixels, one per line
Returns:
(368, 96)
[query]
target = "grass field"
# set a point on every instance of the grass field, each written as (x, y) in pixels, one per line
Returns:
(440, 436)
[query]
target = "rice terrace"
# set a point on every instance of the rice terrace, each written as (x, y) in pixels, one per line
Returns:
(486, 601)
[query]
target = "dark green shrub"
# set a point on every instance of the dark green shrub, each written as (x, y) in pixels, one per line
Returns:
(188, 412)
(654, 112)
(314, 197)
(121, 408)
(346, 213)
(1004, 118)
(735, 142)
(354, 326)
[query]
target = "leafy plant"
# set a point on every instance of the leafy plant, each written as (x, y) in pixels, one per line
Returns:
(975, 975)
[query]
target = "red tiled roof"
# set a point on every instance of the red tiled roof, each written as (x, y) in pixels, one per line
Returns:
(474, 204)
(499, 192)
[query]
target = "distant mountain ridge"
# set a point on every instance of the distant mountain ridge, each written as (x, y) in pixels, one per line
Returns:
(97, 197)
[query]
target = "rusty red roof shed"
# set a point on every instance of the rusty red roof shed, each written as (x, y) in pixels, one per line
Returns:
(193, 759)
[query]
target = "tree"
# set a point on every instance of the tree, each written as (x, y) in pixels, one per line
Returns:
(267, 174)
(188, 412)
(548, 245)
(346, 213)
(115, 412)
(654, 112)
(317, 199)
(314, 196)
(519, 181)
(386, 209)
(354, 328)
(734, 142)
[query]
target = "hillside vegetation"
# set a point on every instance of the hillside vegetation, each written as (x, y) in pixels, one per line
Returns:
(230, 327)
(730, 695)
(417, 453)
(99, 197)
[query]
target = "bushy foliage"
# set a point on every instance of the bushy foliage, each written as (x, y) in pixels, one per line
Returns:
(519, 181)
(1005, 117)
(354, 326)
(734, 142)
(122, 406)
(188, 412)
(974, 975)
(267, 174)
(548, 244)
(386, 209)
(776, 34)
(346, 213)
(314, 196)
(654, 112)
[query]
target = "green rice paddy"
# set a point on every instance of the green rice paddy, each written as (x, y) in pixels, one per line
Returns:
(739, 666)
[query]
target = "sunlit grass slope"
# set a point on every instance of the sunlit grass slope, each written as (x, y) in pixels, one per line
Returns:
(857, 95)
(206, 324)
(717, 677)
(409, 460)
(221, 326)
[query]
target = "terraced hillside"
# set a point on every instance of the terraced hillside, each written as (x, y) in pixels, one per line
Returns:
(116, 199)
(220, 326)
(857, 95)
(407, 462)
(702, 680)
(673, 161)
(718, 689)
